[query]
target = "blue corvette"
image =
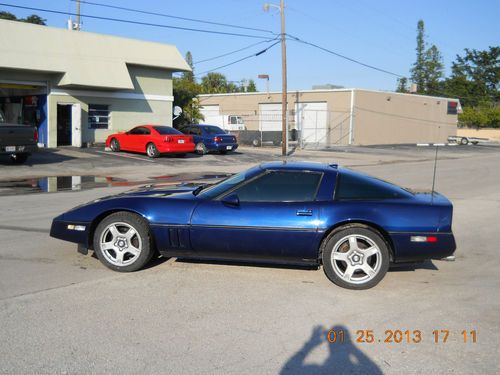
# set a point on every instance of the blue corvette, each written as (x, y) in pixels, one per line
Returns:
(292, 213)
(210, 138)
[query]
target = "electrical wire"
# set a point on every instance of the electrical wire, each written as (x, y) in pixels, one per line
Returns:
(174, 17)
(239, 60)
(294, 38)
(136, 22)
(235, 51)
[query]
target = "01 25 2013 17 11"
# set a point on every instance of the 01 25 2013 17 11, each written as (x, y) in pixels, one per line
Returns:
(398, 336)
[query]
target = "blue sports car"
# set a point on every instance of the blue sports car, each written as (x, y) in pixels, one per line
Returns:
(292, 213)
(210, 138)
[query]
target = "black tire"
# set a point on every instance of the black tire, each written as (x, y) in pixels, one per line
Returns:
(19, 158)
(142, 238)
(365, 238)
(256, 142)
(464, 141)
(201, 149)
(114, 145)
(180, 155)
(152, 150)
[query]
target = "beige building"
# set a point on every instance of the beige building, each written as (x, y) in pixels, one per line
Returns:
(322, 118)
(78, 87)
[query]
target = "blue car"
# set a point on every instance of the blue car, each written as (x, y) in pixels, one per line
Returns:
(210, 138)
(289, 213)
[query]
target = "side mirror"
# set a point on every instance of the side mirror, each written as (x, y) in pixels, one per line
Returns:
(231, 200)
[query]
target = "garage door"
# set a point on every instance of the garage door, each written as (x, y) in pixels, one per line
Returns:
(270, 117)
(312, 121)
(212, 116)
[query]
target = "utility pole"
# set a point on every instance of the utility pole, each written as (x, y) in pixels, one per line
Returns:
(284, 122)
(78, 15)
(284, 119)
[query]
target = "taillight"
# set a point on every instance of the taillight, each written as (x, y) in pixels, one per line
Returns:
(218, 139)
(35, 135)
(168, 139)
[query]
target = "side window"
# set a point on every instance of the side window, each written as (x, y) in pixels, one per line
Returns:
(146, 131)
(281, 186)
(135, 131)
(196, 131)
(357, 187)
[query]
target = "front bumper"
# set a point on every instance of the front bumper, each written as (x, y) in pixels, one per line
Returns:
(60, 229)
(407, 251)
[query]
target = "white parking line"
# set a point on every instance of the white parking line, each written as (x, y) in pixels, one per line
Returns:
(125, 156)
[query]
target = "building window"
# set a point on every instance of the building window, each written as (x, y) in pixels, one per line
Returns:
(98, 116)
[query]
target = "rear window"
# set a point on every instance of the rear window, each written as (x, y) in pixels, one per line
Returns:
(212, 130)
(165, 130)
(353, 186)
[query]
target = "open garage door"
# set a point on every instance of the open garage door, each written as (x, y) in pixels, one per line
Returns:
(312, 121)
(25, 103)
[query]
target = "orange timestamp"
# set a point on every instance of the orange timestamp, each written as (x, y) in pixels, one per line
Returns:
(398, 336)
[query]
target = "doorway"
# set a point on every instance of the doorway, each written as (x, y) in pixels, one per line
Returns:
(64, 124)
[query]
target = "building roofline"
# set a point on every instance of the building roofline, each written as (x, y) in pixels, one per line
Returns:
(291, 92)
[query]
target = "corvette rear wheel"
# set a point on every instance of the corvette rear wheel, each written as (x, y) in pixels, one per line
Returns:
(115, 145)
(122, 242)
(152, 151)
(355, 257)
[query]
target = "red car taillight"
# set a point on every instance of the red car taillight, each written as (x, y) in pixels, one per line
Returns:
(218, 139)
(168, 139)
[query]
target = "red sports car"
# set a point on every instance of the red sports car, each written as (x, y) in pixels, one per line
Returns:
(153, 140)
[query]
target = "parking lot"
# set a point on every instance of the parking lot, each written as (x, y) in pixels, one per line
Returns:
(63, 312)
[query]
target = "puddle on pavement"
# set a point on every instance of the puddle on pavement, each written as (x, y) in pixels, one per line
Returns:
(52, 184)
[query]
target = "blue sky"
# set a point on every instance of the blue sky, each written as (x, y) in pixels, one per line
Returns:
(380, 33)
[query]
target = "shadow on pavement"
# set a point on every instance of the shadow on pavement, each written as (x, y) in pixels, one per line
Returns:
(343, 356)
(43, 156)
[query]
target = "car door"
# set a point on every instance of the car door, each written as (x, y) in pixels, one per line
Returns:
(271, 217)
(129, 139)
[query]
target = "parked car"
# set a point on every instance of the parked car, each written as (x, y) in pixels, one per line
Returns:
(152, 140)
(17, 141)
(292, 213)
(210, 138)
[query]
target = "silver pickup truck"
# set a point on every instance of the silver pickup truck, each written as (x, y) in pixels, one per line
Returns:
(17, 141)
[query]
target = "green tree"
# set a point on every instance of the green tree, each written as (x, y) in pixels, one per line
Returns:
(189, 75)
(214, 83)
(185, 96)
(402, 85)
(252, 87)
(418, 69)
(433, 71)
(7, 16)
(30, 19)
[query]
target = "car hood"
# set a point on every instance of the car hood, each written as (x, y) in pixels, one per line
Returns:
(162, 190)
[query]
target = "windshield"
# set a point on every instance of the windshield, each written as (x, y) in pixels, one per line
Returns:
(224, 185)
(213, 130)
(164, 130)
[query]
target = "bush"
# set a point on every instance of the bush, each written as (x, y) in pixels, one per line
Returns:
(483, 116)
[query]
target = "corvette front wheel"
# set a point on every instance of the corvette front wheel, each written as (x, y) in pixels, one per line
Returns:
(355, 257)
(122, 242)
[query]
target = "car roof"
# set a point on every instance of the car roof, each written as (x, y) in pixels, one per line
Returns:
(215, 126)
(299, 165)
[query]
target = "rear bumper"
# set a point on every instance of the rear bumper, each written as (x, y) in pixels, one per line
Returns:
(179, 148)
(407, 251)
(221, 146)
(20, 149)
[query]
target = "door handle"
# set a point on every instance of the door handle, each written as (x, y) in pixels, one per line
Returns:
(304, 212)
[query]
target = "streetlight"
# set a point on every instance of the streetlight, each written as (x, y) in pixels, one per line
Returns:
(284, 125)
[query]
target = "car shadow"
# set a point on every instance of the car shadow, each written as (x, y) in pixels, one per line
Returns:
(407, 267)
(248, 264)
(343, 355)
(42, 156)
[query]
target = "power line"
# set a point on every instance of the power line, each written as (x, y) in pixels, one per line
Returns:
(174, 17)
(239, 60)
(344, 57)
(233, 52)
(135, 22)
